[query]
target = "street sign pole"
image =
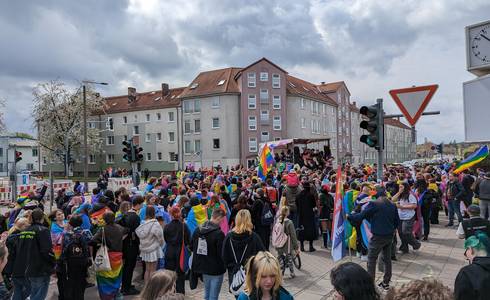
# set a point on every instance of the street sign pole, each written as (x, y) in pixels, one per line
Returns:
(379, 171)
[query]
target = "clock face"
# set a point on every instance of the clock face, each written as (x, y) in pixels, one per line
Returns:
(480, 44)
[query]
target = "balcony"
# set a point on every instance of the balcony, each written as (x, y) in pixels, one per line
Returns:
(264, 101)
(265, 122)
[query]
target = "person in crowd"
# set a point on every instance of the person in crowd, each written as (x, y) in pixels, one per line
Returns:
(455, 192)
(150, 235)
(383, 217)
(130, 220)
(291, 246)
(306, 205)
(262, 217)
(239, 245)
(474, 224)
(146, 174)
(421, 289)
(33, 260)
(58, 222)
(361, 201)
(161, 286)
(427, 202)
(5, 293)
(482, 192)
(75, 259)
(326, 212)
(473, 281)
(207, 244)
(109, 283)
(240, 204)
(177, 235)
(102, 183)
(151, 185)
(406, 203)
(351, 282)
(264, 279)
(291, 191)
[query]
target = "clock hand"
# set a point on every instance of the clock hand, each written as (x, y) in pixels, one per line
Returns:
(485, 37)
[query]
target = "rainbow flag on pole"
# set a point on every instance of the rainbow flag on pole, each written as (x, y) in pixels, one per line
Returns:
(472, 160)
(266, 160)
(338, 232)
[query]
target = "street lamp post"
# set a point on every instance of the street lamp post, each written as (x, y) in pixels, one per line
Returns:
(85, 146)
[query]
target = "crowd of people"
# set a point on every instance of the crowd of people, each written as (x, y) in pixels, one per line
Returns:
(196, 226)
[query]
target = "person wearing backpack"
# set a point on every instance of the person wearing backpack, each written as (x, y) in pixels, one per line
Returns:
(207, 243)
(75, 259)
(262, 217)
(284, 234)
(239, 245)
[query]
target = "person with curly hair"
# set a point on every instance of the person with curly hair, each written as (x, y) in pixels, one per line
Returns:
(352, 282)
(421, 289)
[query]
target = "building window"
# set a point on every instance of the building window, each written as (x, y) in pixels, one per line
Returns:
(187, 107)
(159, 116)
(125, 138)
(197, 106)
(264, 136)
(197, 145)
(303, 123)
(110, 140)
(125, 120)
(264, 76)
(148, 156)
(276, 102)
(159, 136)
(324, 109)
(264, 115)
(215, 143)
(276, 123)
(147, 117)
(45, 160)
(187, 147)
(187, 126)
(252, 102)
(135, 118)
(276, 81)
(110, 123)
(171, 117)
(252, 144)
(264, 95)
(197, 126)
(136, 130)
(215, 123)
(171, 156)
(277, 138)
(215, 102)
(148, 138)
(91, 159)
(1, 152)
(110, 158)
(252, 122)
(159, 155)
(302, 103)
(34, 152)
(251, 80)
(171, 137)
(92, 125)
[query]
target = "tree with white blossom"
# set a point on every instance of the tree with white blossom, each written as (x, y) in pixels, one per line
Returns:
(58, 114)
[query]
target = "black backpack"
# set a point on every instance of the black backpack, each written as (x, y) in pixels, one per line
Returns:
(267, 215)
(76, 255)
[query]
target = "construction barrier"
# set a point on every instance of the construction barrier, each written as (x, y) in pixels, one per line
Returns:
(116, 183)
(5, 195)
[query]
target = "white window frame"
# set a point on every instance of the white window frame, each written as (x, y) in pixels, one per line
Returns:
(159, 116)
(134, 130)
(252, 122)
(303, 123)
(264, 117)
(276, 81)
(159, 156)
(275, 121)
(262, 135)
(188, 150)
(196, 142)
(110, 140)
(170, 155)
(264, 76)
(171, 120)
(158, 137)
(251, 80)
(148, 137)
(190, 106)
(169, 137)
(148, 156)
(215, 103)
(147, 117)
(108, 160)
(264, 95)
(302, 103)
(91, 159)
(212, 123)
(125, 120)
(276, 102)
(109, 123)
(197, 130)
(219, 141)
(187, 129)
(197, 105)
(252, 99)
(252, 144)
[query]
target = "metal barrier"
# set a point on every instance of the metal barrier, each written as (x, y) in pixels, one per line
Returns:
(5, 196)
(116, 183)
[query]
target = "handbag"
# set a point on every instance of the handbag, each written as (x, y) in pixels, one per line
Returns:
(91, 273)
(185, 254)
(102, 262)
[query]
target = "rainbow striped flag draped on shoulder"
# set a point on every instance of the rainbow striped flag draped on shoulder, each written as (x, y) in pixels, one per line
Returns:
(472, 160)
(266, 160)
(338, 232)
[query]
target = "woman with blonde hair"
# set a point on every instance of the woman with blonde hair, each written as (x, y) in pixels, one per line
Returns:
(263, 280)
(161, 286)
(240, 244)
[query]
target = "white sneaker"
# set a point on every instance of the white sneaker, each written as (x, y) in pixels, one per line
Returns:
(358, 254)
(364, 258)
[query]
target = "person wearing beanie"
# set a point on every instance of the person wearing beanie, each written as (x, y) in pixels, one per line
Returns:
(474, 224)
(291, 191)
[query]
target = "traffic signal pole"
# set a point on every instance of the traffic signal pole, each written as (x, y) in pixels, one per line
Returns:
(381, 142)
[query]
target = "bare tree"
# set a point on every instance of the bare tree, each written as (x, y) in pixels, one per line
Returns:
(59, 115)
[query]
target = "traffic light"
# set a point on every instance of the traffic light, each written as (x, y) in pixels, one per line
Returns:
(18, 156)
(373, 126)
(440, 148)
(137, 153)
(128, 151)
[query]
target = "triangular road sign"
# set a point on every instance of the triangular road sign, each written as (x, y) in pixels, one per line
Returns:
(413, 101)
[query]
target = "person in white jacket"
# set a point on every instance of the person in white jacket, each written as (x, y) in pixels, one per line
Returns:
(150, 233)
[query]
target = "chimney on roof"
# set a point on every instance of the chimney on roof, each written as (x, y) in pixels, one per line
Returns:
(165, 89)
(323, 82)
(131, 94)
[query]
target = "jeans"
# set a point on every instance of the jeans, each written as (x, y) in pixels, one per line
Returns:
(426, 217)
(39, 287)
(406, 235)
(22, 288)
(450, 208)
(457, 210)
(212, 286)
(377, 245)
(485, 209)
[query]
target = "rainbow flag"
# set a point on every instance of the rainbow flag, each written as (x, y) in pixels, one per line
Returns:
(196, 217)
(348, 207)
(338, 232)
(266, 160)
(109, 282)
(56, 238)
(472, 160)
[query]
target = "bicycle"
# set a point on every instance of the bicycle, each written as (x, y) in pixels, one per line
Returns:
(289, 261)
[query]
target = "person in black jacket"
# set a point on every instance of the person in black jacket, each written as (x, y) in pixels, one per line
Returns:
(306, 204)
(473, 281)
(263, 230)
(130, 220)
(33, 259)
(455, 193)
(174, 233)
(207, 244)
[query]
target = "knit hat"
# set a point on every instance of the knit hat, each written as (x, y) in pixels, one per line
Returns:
(293, 179)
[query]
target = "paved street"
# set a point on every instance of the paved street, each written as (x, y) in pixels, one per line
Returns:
(441, 257)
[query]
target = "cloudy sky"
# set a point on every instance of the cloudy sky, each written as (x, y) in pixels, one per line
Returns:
(374, 46)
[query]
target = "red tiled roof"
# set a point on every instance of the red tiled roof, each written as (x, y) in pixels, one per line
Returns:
(254, 63)
(207, 83)
(144, 101)
(296, 86)
(332, 86)
(396, 123)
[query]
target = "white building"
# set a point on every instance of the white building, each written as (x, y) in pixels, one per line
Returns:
(9, 143)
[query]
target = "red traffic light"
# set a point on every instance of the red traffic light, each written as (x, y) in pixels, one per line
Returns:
(18, 156)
